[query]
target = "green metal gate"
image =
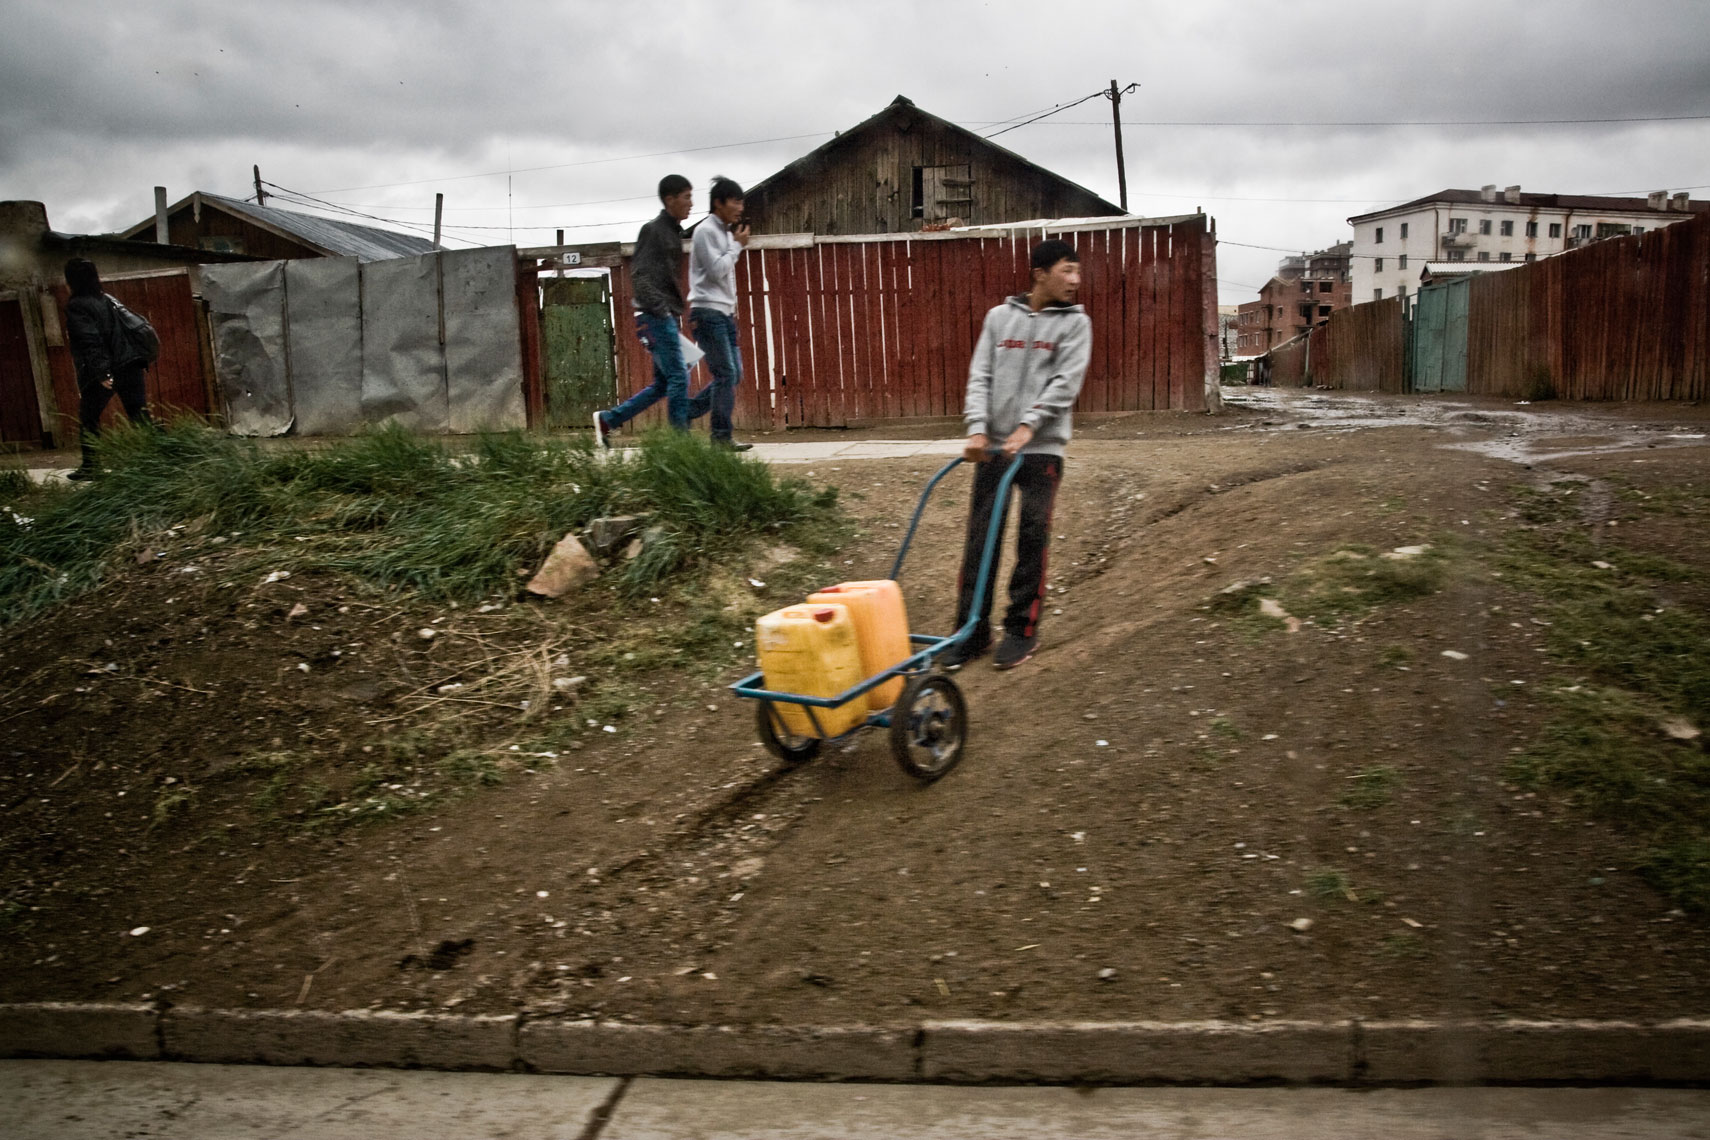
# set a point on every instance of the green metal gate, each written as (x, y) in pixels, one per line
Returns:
(1439, 336)
(577, 349)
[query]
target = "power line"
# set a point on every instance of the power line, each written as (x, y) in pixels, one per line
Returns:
(1377, 123)
(1052, 111)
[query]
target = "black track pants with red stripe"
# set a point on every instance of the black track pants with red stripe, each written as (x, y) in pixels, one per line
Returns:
(1036, 483)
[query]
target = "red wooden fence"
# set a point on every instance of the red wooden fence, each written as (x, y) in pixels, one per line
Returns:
(843, 330)
(1622, 319)
(178, 380)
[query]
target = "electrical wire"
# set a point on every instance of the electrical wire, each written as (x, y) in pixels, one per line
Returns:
(1052, 111)
(1378, 123)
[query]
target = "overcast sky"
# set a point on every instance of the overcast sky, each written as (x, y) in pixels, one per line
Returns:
(534, 116)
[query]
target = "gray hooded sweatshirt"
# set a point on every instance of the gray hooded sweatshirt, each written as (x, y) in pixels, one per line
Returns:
(1027, 369)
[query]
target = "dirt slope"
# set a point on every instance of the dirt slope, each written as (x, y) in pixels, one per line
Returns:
(1148, 808)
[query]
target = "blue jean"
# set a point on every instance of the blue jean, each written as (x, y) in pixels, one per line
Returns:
(670, 377)
(715, 333)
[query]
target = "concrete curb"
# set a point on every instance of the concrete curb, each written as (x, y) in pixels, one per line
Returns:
(1192, 1052)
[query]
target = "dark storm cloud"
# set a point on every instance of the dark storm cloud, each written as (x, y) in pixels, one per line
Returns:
(103, 101)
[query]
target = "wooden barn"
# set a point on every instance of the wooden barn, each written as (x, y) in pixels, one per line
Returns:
(227, 225)
(906, 169)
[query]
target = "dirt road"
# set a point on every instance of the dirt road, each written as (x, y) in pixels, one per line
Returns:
(1179, 809)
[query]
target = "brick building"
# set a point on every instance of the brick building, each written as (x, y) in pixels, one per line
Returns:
(1305, 291)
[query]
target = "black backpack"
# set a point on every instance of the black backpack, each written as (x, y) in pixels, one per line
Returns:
(136, 333)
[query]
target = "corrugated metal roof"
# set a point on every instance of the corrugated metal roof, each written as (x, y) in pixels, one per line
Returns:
(347, 239)
(1466, 268)
(332, 237)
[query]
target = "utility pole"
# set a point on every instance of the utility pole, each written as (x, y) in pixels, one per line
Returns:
(260, 194)
(1115, 95)
(438, 211)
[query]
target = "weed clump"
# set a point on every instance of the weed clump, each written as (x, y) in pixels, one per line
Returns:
(398, 511)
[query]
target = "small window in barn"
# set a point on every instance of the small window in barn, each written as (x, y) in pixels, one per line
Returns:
(918, 201)
(1507, 229)
(1555, 229)
(1403, 231)
(1378, 264)
(1380, 235)
(221, 243)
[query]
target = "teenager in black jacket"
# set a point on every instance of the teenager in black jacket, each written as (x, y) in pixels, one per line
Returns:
(107, 364)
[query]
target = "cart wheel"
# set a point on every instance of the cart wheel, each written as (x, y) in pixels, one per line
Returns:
(778, 738)
(929, 726)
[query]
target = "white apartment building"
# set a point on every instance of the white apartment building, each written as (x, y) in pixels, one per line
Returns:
(1392, 246)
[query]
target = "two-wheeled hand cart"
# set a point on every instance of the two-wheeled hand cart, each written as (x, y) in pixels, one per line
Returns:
(929, 721)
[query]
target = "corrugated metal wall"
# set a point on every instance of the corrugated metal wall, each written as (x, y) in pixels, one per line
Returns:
(850, 330)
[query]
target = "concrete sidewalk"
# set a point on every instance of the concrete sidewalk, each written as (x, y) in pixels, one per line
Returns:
(85, 1100)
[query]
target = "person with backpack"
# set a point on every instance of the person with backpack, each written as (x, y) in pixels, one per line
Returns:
(111, 359)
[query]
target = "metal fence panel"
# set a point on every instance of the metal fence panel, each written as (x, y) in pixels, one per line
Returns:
(324, 333)
(483, 349)
(403, 363)
(246, 304)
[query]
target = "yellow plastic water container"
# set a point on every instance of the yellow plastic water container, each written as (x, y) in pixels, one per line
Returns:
(811, 650)
(881, 630)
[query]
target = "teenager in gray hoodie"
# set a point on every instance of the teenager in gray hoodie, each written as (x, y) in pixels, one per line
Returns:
(1022, 383)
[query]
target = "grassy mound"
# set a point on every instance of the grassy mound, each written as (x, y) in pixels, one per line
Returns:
(393, 510)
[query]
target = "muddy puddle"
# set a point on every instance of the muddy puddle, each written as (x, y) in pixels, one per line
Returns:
(1521, 433)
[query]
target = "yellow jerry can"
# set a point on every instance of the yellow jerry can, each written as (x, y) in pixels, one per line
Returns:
(811, 650)
(881, 630)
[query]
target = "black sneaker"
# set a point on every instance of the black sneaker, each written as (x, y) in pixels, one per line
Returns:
(960, 654)
(82, 473)
(1013, 650)
(732, 445)
(601, 431)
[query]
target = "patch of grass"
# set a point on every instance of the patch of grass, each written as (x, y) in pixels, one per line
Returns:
(402, 512)
(1353, 580)
(1403, 946)
(471, 768)
(169, 802)
(14, 483)
(1223, 726)
(1558, 502)
(1371, 788)
(1687, 500)
(1395, 656)
(1327, 883)
(1647, 666)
